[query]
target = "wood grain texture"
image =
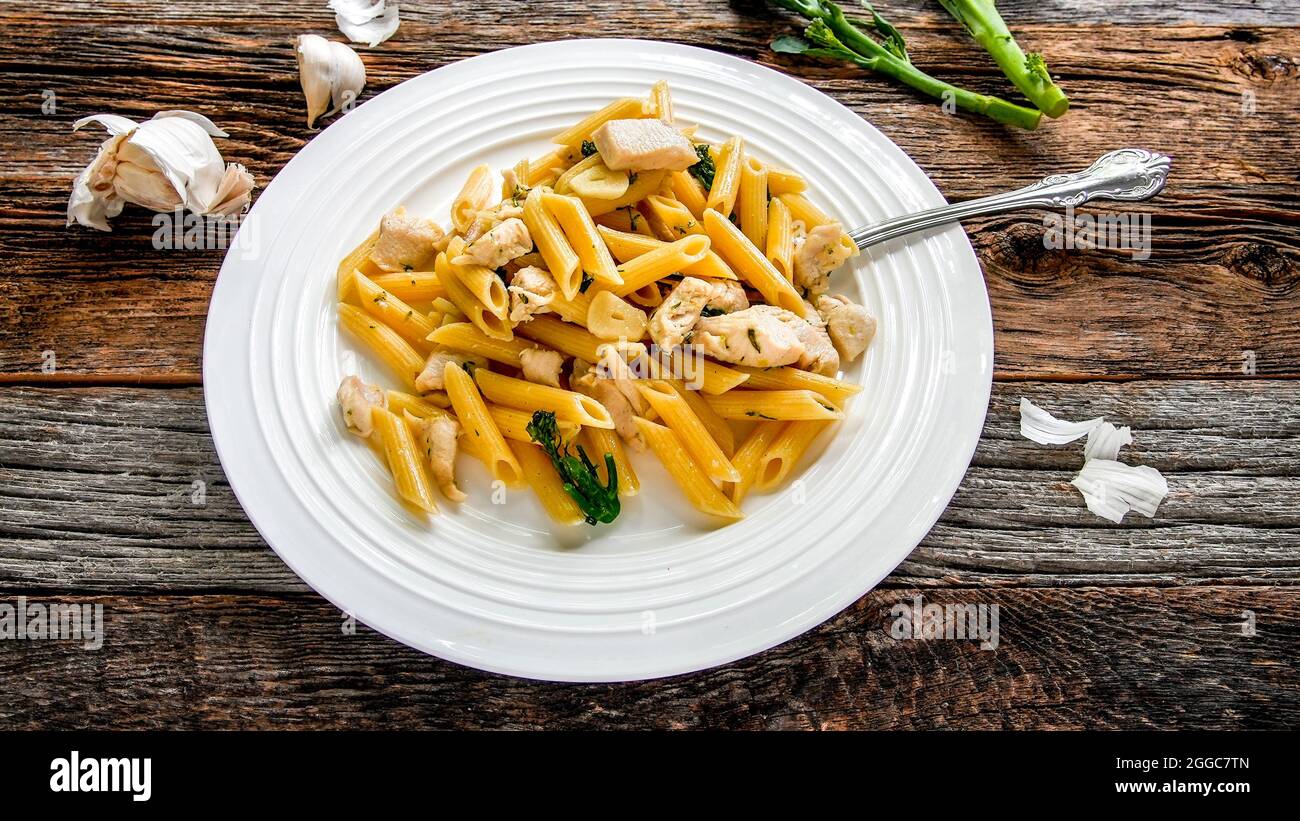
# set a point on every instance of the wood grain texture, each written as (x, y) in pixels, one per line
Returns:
(1090, 658)
(103, 458)
(97, 492)
(1225, 258)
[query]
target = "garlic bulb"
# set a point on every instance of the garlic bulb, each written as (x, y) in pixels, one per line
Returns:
(366, 21)
(164, 163)
(328, 72)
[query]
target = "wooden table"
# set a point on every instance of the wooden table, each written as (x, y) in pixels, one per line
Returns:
(1132, 625)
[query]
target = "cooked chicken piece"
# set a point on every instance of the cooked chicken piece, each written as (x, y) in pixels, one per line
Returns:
(607, 393)
(726, 295)
(820, 253)
(498, 246)
(643, 145)
(357, 399)
(761, 337)
(850, 326)
(673, 321)
(541, 366)
(405, 243)
(437, 437)
(508, 210)
(531, 291)
(430, 379)
(819, 354)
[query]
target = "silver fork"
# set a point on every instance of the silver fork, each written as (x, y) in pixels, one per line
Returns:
(1126, 175)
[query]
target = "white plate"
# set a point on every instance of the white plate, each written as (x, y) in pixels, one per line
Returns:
(660, 592)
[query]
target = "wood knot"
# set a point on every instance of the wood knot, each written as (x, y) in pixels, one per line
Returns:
(1020, 253)
(1259, 66)
(1261, 262)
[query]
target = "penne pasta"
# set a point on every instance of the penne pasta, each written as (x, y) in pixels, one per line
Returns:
(781, 181)
(424, 407)
(474, 196)
(627, 108)
(561, 260)
(627, 246)
(669, 219)
(751, 265)
(583, 238)
(482, 436)
(565, 337)
(513, 424)
(658, 263)
(538, 473)
(661, 102)
(751, 202)
(804, 211)
(786, 450)
(607, 248)
(726, 179)
(469, 306)
(356, 260)
(405, 461)
(387, 344)
(774, 405)
(409, 323)
(836, 391)
(780, 239)
(689, 192)
(700, 492)
(482, 282)
(411, 286)
(679, 418)
(464, 336)
(718, 427)
(566, 405)
(602, 441)
(750, 455)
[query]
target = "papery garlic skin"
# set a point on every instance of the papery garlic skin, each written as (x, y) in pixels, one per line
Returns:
(164, 163)
(1105, 440)
(328, 72)
(366, 21)
(1040, 426)
(1112, 489)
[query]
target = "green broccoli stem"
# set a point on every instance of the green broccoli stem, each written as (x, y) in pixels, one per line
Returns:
(985, 24)
(847, 42)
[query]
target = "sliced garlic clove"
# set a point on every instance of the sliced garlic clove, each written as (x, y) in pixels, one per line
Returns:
(364, 21)
(599, 183)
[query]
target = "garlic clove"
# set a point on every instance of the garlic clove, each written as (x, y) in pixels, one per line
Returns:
(314, 70)
(348, 78)
(235, 191)
(94, 201)
(364, 21)
(328, 72)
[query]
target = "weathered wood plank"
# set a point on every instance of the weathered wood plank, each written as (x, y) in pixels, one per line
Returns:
(98, 492)
(1089, 658)
(1221, 280)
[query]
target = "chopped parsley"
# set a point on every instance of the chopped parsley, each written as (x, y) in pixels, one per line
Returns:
(631, 178)
(710, 310)
(599, 503)
(760, 415)
(704, 170)
(753, 340)
(587, 279)
(588, 148)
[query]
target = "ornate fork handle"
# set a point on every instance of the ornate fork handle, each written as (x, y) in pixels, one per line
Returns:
(1127, 175)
